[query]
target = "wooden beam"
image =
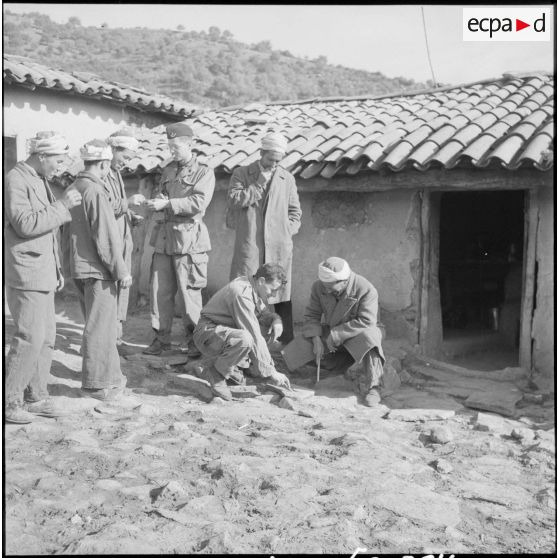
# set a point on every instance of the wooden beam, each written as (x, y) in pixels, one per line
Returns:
(528, 283)
(434, 179)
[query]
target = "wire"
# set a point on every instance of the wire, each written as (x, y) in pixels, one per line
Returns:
(427, 49)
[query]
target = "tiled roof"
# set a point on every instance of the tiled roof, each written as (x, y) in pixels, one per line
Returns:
(506, 122)
(20, 70)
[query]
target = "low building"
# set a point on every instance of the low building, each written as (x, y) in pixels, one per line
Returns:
(80, 105)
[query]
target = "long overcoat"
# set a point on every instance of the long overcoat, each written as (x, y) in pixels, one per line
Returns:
(352, 319)
(265, 221)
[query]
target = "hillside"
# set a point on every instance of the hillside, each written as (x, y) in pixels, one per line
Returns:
(205, 68)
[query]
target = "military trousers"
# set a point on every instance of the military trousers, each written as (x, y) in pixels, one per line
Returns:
(100, 367)
(182, 273)
(226, 347)
(30, 355)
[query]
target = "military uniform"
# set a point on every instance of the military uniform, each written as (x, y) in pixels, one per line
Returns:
(230, 329)
(180, 240)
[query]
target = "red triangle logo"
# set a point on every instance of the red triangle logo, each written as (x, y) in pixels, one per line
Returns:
(519, 25)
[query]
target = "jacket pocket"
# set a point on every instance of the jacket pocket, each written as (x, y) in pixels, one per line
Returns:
(197, 270)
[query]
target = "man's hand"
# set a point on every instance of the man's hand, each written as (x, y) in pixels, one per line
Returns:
(329, 342)
(60, 284)
(137, 219)
(126, 282)
(157, 204)
(275, 331)
(318, 347)
(136, 199)
(280, 380)
(71, 197)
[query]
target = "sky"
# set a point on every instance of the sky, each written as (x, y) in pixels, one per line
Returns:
(387, 39)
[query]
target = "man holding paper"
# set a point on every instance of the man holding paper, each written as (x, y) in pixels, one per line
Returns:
(349, 305)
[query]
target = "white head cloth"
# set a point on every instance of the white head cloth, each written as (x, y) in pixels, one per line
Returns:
(96, 150)
(49, 143)
(124, 139)
(333, 269)
(274, 142)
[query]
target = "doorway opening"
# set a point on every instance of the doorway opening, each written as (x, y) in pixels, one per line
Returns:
(480, 277)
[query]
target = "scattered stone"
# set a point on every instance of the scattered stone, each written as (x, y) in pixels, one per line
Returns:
(174, 487)
(524, 435)
(141, 492)
(176, 360)
(546, 497)
(179, 427)
(152, 451)
(306, 414)
(441, 435)
(349, 439)
(76, 520)
(405, 377)
(545, 435)
(501, 402)
(533, 397)
(108, 484)
(195, 386)
(491, 423)
(270, 398)
(360, 513)
(443, 466)
(244, 392)
(419, 415)
(147, 410)
(82, 438)
(287, 403)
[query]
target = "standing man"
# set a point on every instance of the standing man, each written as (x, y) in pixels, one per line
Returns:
(98, 269)
(33, 273)
(349, 306)
(230, 329)
(266, 214)
(180, 240)
(123, 145)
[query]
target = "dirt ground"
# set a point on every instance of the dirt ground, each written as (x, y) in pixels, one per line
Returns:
(163, 472)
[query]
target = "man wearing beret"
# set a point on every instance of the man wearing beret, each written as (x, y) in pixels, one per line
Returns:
(32, 274)
(123, 145)
(180, 240)
(349, 306)
(264, 209)
(98, 268)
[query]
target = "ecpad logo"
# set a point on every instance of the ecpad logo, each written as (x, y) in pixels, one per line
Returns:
(507, 24)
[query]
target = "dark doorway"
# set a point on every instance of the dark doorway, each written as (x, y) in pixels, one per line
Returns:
(10, 154)
(480, 275)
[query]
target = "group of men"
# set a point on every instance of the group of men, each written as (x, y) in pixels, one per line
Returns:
(233, 331)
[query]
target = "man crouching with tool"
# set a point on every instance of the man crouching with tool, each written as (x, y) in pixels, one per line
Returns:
(349, 304)
(230, 330)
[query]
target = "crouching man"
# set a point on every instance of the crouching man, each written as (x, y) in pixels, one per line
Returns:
(230, 329)
(349, 305)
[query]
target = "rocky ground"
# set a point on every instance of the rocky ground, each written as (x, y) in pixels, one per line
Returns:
(454, 461)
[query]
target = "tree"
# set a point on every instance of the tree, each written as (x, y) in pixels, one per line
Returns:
(214, 33)
(180, 27)
(263, 46)
(74, 21)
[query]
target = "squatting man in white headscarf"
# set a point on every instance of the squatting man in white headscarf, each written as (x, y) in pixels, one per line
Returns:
(349, 305)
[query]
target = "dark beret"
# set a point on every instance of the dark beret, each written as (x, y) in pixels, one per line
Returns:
(179, 130)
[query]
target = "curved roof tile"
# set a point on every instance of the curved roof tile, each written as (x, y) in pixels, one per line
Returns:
(502, 122)
(22, 70)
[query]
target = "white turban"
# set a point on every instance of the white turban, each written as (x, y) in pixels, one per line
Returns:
(96, 150)
(274, 142)
(333, 269)
(123, 139)
(49, 143)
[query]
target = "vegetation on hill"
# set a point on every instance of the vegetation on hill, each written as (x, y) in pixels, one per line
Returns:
(206, 68)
